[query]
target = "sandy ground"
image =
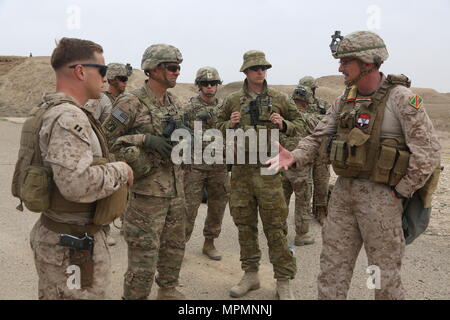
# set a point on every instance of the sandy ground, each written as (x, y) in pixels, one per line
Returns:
(425, 272)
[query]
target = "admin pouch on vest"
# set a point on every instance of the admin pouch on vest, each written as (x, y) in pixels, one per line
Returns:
(32, 181)
(417, 210)
(357, 151)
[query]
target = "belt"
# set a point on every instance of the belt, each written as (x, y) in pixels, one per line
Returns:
(66, 228)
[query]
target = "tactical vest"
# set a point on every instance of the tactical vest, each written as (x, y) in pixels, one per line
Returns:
(357, 150)
(154, 182)
(196, 107)
(32, 181)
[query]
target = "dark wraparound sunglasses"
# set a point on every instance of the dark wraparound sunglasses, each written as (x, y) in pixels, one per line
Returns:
(172, 67)
(122, 78)
(209, 83)
(257, 68)
(102, 69)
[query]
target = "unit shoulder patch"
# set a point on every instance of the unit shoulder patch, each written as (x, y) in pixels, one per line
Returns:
(416, 102)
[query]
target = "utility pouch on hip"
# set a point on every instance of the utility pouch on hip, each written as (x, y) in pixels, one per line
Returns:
(112, 207)
(85, 261)
(35, 191)
(356, 150)
(384, 164)
(401, 165)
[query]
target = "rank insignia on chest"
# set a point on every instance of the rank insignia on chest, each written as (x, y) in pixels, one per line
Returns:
(416, 102)
(363, 121)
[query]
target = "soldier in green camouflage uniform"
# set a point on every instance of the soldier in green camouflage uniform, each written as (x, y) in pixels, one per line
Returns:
(321, 168)
(252, 191)
(214, 177)
(298, 180)
(154, 224)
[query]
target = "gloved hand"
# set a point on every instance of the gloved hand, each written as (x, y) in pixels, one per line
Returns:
(159, 144)
(204, 116)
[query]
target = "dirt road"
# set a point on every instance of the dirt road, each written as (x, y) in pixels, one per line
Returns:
(425, 272)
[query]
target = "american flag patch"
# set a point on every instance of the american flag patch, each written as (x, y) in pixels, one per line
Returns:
(120, 115)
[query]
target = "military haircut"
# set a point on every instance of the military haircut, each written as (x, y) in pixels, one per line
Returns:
(69, 50)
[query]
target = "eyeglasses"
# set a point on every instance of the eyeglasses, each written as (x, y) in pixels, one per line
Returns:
(257, 68)
(345, 62)
(209, 83)
(101, 67)
(172, 67)
(122, 78)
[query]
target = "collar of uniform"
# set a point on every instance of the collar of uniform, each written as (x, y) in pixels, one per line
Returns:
(154, 98)
(200, 101)
(264, 91)
(59, 97)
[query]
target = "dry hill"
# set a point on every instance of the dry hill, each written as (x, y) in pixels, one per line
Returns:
(23, 80)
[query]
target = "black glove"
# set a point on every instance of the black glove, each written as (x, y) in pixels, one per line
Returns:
(159, 144)
(204, 116)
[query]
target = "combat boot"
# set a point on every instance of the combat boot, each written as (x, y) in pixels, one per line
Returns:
(211, 251)
(169, 294)
(284, 291)
(321, 214)
(303, 240)
(250, 281)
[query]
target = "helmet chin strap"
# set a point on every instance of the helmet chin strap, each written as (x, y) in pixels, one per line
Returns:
(170, 84)
(362, 73)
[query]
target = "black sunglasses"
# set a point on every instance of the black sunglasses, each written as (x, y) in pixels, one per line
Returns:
(257, 68)
(102, 69)
(122, 78)
(209, 83)
(172, 67)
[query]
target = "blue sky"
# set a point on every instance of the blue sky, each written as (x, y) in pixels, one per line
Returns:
(294, 34)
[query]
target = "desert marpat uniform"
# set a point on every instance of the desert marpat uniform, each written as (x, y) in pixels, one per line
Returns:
(68, 144)
(361, 210)
(154, 224)
(252, 192)
(214, 177)
(298, 180)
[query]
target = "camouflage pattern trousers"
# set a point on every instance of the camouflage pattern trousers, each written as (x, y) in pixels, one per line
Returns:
(361, 212)
(252, 192)
(154, 231)
(299, 182)
(217, 184)
(321, 180)
(53, 261)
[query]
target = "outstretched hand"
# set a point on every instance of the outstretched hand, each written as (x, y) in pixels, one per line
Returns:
(283, 160)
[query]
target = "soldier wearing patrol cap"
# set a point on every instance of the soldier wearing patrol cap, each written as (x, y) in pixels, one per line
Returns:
(384, 150)
(139, 130)
(213, 177)
(320, 168)
(259, 108)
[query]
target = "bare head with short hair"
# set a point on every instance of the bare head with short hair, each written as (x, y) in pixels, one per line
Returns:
(71, 50)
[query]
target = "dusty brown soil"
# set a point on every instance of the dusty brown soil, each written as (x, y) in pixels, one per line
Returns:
(23, 80)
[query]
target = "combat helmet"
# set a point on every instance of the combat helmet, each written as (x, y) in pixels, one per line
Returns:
(160, 53)
(366, 46)
(118, 70)
(254, 58)
(207, 74)
(303, 93)
(308, 81)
